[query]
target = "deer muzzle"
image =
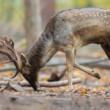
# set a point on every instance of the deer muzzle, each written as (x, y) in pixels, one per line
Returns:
(32, 80)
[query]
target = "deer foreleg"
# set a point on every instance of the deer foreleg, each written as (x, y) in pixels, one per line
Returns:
(69, 64)
(88, 71)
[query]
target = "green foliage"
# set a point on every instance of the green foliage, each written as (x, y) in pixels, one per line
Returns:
(65, 4)
(12, 11)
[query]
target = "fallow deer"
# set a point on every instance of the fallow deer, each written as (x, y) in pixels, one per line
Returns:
(67, 31)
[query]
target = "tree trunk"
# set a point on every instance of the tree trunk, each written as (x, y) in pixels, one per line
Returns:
(47, 11)
(35, 12)
(32, 21)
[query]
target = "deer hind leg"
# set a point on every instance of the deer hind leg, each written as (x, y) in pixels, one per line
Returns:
(88, 71)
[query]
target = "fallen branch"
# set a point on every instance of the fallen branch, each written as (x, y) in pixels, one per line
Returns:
(59, 83)
(86, 63)
(11, 68)
(46, 84)
(12, 86)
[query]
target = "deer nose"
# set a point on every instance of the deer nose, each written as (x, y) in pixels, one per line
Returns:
(31, 80)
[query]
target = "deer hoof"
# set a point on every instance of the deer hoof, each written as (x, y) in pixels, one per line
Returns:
(97, 76)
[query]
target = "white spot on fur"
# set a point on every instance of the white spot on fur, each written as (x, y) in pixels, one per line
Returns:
(105, 16)
(80, 14)
(108, 16)
(101, 14)
(106, 22)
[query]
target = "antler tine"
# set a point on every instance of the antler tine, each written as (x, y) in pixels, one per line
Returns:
(10, 57)
(17, 67)
(15, 74)
(13, 50)
(10, 46)
(6, 47)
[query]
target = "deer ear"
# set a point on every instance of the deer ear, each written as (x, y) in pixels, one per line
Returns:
(23, 59)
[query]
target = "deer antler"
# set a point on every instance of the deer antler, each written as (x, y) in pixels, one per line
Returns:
(7, 48)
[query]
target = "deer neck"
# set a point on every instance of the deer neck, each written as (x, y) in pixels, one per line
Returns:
(41, 52)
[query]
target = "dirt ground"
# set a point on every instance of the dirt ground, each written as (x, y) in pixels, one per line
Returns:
(73, 101)
(90, 94)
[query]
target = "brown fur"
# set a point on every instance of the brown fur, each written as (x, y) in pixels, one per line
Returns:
(67, 31)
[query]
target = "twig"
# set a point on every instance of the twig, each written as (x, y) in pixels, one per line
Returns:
(14, 86)
(4, 88)
(47, 84)
(88, 63)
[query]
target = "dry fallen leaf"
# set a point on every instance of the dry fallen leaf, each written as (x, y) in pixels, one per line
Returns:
(85, 94)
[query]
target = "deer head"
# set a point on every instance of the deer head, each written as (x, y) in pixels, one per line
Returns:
(21, 63)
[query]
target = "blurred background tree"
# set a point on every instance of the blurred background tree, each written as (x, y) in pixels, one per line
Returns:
(24, 20)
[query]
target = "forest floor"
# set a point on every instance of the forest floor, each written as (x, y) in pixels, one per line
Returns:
(90, 94)
(62, 101)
